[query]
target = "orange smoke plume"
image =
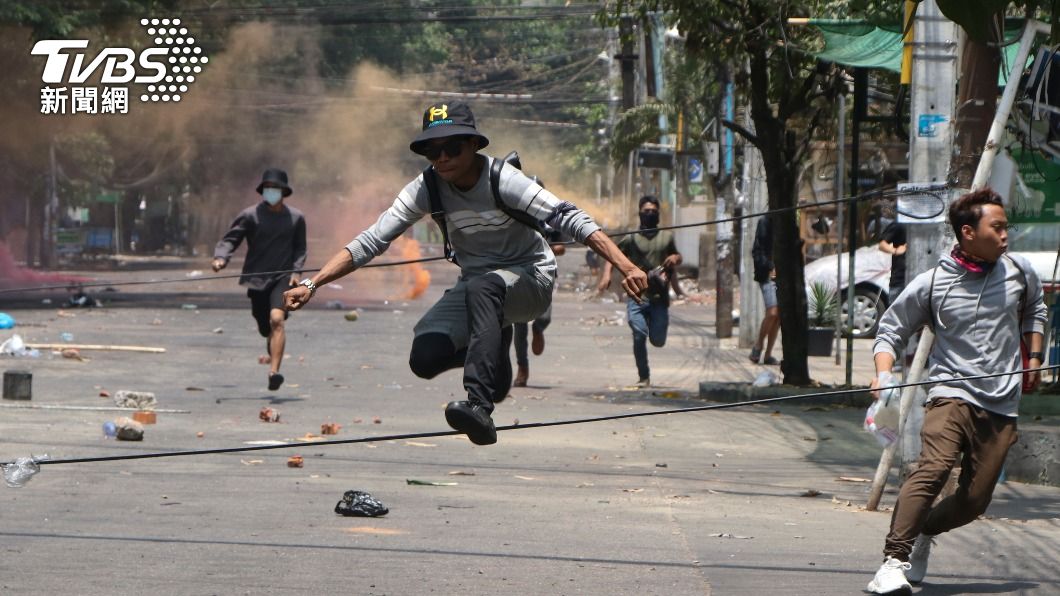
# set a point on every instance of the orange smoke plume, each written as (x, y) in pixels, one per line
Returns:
(415, 274)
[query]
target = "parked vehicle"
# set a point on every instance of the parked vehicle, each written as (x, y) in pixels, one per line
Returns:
(872, 275)
(1038, 243)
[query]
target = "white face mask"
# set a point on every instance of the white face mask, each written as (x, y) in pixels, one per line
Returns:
(272, 195)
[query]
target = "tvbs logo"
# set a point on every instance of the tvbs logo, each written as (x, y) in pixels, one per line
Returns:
(166, 69)
(119, 64)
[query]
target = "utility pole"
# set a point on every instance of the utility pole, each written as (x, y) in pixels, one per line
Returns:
(861, 92)
(933, 97)
(930, 67)
(755, 199)
(723, 255)
(658, 51)
(51, 213)
(840, 171)
(645, 89)
(627, 60)
(614, 77)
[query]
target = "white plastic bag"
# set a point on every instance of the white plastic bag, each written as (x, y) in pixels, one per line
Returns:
(765, 379)
(14, 346)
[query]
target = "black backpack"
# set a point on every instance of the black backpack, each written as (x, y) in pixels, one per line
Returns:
(430, 180)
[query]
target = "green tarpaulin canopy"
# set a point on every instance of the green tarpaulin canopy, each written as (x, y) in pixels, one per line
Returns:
(863, 44)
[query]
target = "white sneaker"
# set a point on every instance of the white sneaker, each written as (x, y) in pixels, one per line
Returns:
(890, 578)
(918, 559)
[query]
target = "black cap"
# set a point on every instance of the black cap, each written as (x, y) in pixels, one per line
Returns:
(447, 120)
(277, 177)
(649, 199)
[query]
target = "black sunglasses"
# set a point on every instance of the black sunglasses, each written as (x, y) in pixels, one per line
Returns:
(452, 147)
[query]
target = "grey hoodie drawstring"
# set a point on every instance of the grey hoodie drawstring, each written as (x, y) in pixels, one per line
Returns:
(956, 280)
(942, 303)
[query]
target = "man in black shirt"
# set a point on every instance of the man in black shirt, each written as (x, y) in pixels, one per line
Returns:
(275, 235)
(892, 242)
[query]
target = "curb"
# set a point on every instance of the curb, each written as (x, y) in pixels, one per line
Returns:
(740, 392)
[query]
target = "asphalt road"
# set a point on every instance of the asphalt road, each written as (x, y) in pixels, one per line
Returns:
(741, 501)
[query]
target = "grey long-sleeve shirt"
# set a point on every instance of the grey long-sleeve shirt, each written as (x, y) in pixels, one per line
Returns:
(484, 238)
(275, 242)
(976, 319)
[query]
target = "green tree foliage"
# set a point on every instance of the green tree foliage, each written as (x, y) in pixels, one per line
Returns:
(789, 94)
(254, 112)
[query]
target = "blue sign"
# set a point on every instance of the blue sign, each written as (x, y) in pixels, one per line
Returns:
(927, 124)
(695, 170)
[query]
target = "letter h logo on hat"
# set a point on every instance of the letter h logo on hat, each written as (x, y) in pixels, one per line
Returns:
(440, 113)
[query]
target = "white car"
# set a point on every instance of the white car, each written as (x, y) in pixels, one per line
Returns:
(872, 277)
(1038, 243)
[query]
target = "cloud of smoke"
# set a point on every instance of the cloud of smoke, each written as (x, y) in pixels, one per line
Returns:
(261, 102)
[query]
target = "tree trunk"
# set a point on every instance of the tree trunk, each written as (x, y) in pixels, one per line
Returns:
(787, 257)
(976, 104)
(778, 148)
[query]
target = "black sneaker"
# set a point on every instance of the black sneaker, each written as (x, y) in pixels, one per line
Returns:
(473, 420)
(275, 380)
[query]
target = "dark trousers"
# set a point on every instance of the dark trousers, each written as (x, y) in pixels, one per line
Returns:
(522, 330)
(487, 364)
(952, 427)
(263, 301)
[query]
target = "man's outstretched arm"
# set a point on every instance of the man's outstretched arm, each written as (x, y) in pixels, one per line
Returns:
(338, 266)
(634, 281)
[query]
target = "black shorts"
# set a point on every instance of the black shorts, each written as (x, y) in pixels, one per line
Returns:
(263, 301)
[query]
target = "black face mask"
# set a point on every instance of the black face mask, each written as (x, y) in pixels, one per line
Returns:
(649, 220)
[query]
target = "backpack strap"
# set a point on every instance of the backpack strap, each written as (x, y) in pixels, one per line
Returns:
(1023, 294)
(430, 180)
(495, 186)
(931, 296)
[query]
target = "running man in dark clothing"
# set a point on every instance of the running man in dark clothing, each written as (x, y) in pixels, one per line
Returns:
(275, 235)
(655, 253)
(523, 331)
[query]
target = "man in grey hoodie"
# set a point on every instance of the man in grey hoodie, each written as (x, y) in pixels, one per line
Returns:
(980, 302)
(507, 270)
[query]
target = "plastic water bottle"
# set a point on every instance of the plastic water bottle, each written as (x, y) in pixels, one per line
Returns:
(882, 417)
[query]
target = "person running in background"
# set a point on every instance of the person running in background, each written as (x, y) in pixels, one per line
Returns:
(655, 252)
(276, 241)
(537, 327)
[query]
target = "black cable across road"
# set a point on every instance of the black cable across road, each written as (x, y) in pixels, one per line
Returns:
(869, 195)
(147, 282)
(400, 437)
